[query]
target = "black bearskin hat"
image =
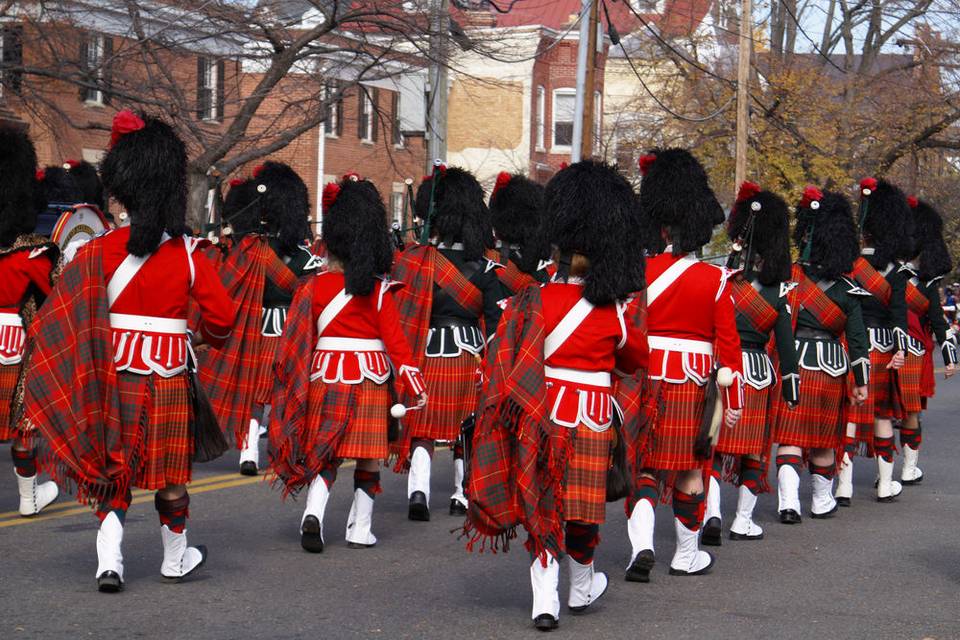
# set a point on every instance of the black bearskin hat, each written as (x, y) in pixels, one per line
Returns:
(459, 211)
(591, 209)
(760, 222)
(239, 209)
(675, 193)
(833, 244)
(18, 186)
(516, 206)
(284, 204)
(355, 232)
(60, 187)
(87, 179)
(145, 170)
(929, 248)
(886, 222)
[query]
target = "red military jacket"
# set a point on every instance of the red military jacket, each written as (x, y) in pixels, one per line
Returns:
(578, 369)
(691, 323)
(359, 337)
(149, 315)
(19, 270)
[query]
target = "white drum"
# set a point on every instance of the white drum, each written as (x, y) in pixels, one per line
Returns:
(76, 227)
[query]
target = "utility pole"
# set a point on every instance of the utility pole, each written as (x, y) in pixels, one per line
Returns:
(589, 103)
(588, 16)
(438, 50)
(743, 92)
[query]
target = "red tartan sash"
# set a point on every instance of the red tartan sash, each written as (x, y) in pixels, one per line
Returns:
(510, 275)
(458, 287)
(871, 280)
(818, 303)
(750, 304)
(916, 300)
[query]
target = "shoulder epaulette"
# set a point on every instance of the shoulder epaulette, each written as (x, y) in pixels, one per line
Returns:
(314, 262)
(855, 289)
(491, 265)
(935, 280)
(907, 268)
(543, 264)
(787, 287)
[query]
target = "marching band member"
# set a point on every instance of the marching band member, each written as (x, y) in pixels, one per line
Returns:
(827, 310)
(886, 228)
(928, 264)
(448, 308)
(546, 423)
(107, 386)
(341, 347)
(27, 265)
(689, 312)
(515, 211)
(759, 227)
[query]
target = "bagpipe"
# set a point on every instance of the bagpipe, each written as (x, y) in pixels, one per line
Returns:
(419, 227)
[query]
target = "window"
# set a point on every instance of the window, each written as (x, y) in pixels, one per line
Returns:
(210, 89)
(396, 204)
(333, 121)
(564, 105)
(397, 124)
(11, 59)
(95, 51)
(367, 115)
(541, 120)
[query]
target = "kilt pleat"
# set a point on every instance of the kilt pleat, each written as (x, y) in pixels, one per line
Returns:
(880, 397)
(816, 423)
(167, 448)
(676, 430)
(585, 485)
(452, 396)
(265, 376)
(366, 431)
(8, 387)
(749, 436)
(928, 383)
(908, 378)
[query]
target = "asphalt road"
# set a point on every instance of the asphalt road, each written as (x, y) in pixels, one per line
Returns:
(876, 571)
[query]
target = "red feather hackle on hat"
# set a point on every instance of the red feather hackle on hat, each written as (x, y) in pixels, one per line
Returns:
(747, 191)
(236, 182)
(503, 179)
(913, 202)
(39, 175)
(351, 175)
(645, 162)
(73, 164)
(810, 194)
(256, 170)
(330, 193)
(125, 122)
(868, 183)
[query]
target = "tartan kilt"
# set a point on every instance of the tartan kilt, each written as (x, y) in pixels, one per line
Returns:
(9, 374)
(673, 437)
(749, 436)
(879, 402)
(908, 377)
(817, 422)
(265, 376)
(167, 445)
(365, 435)
(452, 396)
(928, 383)
(585, 484)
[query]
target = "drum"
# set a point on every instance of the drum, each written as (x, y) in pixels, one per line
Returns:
(76, 226)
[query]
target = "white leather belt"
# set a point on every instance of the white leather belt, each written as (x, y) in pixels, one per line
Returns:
(350, 344)
(148, 324)
(10, 320)
(680, 344)
(578, 376)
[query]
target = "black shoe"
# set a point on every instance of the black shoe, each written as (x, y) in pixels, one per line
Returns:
(457, 508)
(418, 510)
(825, 516)
(109, 582)
(742, 536)
(248, 468)
(639, 569)
(357, 545)
(789, 516)
(311, 538)
(843, 502)
(545, 622)
(712, 533)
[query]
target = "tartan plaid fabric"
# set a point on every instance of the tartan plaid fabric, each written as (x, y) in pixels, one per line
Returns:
(230, 375)
(415, 269)
(917, 301)
(908, 377)
(641, 402)
(449, 278)
(676, 428)
(817, 422)
(268, 355)
(366, 431)
(519, 457)
(818, 303)
(750, 435)
(9, 374)
(585, 485)
(871, 280)
(510, 275)
(928, 381)
(749, 303)
(452, 389)
(162, 407)
(881, 397)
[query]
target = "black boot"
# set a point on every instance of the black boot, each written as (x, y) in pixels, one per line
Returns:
(639, 569)
(418, 510)
(545, 622)
(712, 532)
(789, 516)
